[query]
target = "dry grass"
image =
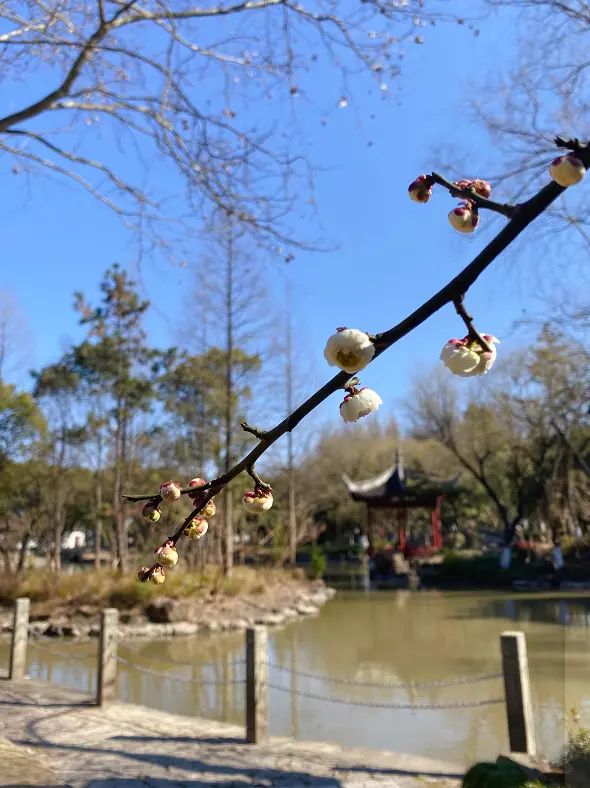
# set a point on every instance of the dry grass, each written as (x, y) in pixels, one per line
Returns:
(107, 588)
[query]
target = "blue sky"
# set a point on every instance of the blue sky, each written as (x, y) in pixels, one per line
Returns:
(392, 253)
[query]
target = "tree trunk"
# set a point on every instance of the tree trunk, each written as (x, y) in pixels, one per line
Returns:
(22, 554)
(118, 511)
(228, 527)
(98, 523)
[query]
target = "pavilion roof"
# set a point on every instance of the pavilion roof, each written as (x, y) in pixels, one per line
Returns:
(398, 487)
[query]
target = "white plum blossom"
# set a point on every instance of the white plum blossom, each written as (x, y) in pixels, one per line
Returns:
(567, 170)
(257, 501)
(359, 403)
(349, 349)
(170, 491)
(466, 358)
(166, 555)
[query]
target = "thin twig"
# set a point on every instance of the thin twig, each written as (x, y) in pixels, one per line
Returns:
(468, 320)
(257, 480)
(470, 194)
(253, 430)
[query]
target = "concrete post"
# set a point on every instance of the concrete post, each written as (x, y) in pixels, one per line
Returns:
(107, 651)
(20, 636)
(517, 687)
(256, 685)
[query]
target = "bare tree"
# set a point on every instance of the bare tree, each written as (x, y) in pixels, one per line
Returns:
(186, 85)
(16, 341)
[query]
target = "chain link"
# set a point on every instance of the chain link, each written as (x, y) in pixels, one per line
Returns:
(369, 705)
(411, 685)
(171, 677)
(175, 661)
(86, 655)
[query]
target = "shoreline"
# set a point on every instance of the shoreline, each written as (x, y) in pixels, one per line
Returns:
(180, 617)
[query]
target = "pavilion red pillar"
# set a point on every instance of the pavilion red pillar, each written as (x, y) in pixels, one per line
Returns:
(437, 540)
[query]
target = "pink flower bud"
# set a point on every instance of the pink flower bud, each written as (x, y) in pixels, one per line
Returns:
(142, 575)
(170, 491)
(464, 218)
(158, 576)
(197, 528)
(257, 501)
(420, 190)
(166, 554)
(196, 483)
(567, 170)
(151, 512)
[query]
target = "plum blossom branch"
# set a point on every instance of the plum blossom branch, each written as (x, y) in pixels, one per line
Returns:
(452, 293)
(469, 193)
(459, 304)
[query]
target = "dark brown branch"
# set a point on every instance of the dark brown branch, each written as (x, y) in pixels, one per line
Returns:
(257, 480)
(468, 320)
(253, 430)
(450, 293)
(470, 194)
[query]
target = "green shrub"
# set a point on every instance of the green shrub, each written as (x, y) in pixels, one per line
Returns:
(494, 775)
(318, 563)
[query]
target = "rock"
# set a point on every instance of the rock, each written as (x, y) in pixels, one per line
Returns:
(240, 623)
(54, 629)
(289, 613)
(7, 627)
(307, 610)
(88, 611)
(70, 631)
(39, 617)
(185, 628)
(534, 766)
(94, 631)
(164, 610)
(269, 620)
(210, 627)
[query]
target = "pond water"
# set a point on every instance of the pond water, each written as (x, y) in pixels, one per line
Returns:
(372, 638)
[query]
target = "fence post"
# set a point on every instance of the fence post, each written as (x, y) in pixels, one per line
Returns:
(20, 636)
(517, 687)
(256, 685)
(107, 651)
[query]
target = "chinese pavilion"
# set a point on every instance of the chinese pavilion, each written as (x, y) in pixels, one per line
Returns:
(400, 491)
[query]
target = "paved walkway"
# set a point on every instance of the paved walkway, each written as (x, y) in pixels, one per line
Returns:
(54, 737)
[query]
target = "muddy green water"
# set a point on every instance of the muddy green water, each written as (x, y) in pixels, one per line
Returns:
(372, 638)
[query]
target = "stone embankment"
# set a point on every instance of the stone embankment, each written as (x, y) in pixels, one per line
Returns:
(167, 617)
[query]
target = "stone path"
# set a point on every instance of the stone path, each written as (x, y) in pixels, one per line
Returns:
(54, 737)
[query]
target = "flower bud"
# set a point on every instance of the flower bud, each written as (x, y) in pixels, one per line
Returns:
(143, 574)
(464, 218)
(567, 170)
(196, 483)
(359, 403)
(170, 491)
(258, 501)
(151, 512)
(158, 576)
(349, 349)
(197, 528)
(209, 509)
(166, 554)
(420, 190)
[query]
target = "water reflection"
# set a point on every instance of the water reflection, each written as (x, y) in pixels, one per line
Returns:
(380, 638)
